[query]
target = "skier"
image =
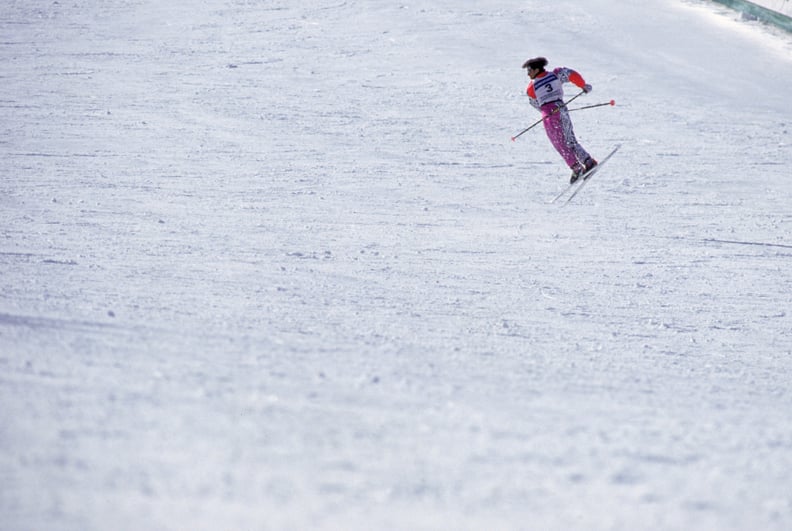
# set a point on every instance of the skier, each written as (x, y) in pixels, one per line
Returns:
(546, 94)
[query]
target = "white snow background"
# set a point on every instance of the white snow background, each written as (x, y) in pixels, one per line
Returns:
(278, 265)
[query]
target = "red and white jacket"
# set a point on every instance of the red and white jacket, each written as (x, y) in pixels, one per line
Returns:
(547, 86)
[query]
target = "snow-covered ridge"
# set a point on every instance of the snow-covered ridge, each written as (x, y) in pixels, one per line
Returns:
(783, 7)
(778, 12)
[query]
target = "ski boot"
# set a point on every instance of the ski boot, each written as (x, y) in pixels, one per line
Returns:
(577, 170)
(581, 169)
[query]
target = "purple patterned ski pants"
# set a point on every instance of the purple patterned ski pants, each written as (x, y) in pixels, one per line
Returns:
(559, 130)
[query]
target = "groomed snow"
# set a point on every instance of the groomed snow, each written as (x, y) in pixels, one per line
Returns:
(277, 265)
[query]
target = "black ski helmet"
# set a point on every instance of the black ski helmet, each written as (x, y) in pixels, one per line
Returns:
(537, 62)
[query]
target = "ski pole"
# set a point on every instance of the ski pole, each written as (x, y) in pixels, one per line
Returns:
(611, 102)
(515, 137)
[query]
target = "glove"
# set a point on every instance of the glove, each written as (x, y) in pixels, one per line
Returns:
(587, 88)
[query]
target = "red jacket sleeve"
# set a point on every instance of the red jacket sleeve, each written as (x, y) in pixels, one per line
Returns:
(576, 79)
(530, 91)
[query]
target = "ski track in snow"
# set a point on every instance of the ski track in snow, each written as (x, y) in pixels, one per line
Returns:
(278, 266)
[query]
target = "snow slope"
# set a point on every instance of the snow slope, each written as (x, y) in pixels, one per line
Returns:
(277, 265)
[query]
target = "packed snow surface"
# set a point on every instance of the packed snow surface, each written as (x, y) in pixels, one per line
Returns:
(275, 265)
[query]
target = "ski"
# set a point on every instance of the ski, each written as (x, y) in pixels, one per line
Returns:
(583, 178)
(562, 192)
(586, 176)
